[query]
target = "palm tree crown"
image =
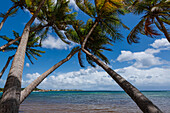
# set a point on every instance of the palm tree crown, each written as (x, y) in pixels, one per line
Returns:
(155, 12)
(96, 43)
(31, 45)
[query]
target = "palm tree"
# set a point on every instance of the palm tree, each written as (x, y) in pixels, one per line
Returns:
(25, 93)
(108, 9)
(105, 13)
(143, 102)
(155, 12)
(95, 45)
(30, 49)
(12, 10)
(56, 17)
(10, 100)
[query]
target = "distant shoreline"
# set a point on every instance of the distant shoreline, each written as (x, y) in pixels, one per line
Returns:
(47, 90)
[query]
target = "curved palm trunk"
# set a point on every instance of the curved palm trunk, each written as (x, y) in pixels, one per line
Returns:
(6, 16)
(163, 29)
(143, 102)
(9, 43)
(90, 32)
(6, 65)
(36, 82)
(10, 100)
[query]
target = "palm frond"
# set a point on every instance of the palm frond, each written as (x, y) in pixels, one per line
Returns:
(61, 36)
(102, 57)
(16, 34)
(29, 57)
(90, 61)
(5, 38)
(86, 7)
(80, 59)
(149, 31)
(132, 37)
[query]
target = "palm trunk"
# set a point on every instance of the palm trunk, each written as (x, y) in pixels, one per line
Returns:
(88, 35)
(163, 29)
(6, 65)
(36, 82)
(143, 102)
(10, 100)
(6, 16)
(9, 43)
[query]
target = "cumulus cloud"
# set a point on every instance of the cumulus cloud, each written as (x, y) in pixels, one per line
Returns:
(147, 58)
(143, 78)
(97, 79)
(55, 43)
(90, 78)
(27, 65)
(72, 3)
(161, 43)
(142, 59)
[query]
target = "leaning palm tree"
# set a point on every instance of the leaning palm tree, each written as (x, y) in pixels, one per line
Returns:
(155, 13)
(96, 45)
(104, 7)
(143, 102)
(10, 100)
(31, 51)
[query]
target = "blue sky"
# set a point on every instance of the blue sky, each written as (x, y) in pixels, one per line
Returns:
(146, 64)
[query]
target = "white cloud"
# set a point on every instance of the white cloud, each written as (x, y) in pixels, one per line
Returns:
(147, 58)
(159, 43)
(51, 43)
(97, 79)
(146, 78)
(90, 78)
(27, 65)
(73, 4)
(142, 59)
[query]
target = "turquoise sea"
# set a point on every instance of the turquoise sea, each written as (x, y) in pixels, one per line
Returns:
(90, 102)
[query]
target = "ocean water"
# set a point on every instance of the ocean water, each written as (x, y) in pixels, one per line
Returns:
(90, 102)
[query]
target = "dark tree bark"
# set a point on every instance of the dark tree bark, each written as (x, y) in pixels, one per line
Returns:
(143, 102)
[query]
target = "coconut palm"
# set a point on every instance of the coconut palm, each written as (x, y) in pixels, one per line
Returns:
(105, 13)
(31, 50)
(95, 44)
(10, 100)
(23, 4)
(143, 102)
(155, 13)
(109, 9)
(56, 17)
